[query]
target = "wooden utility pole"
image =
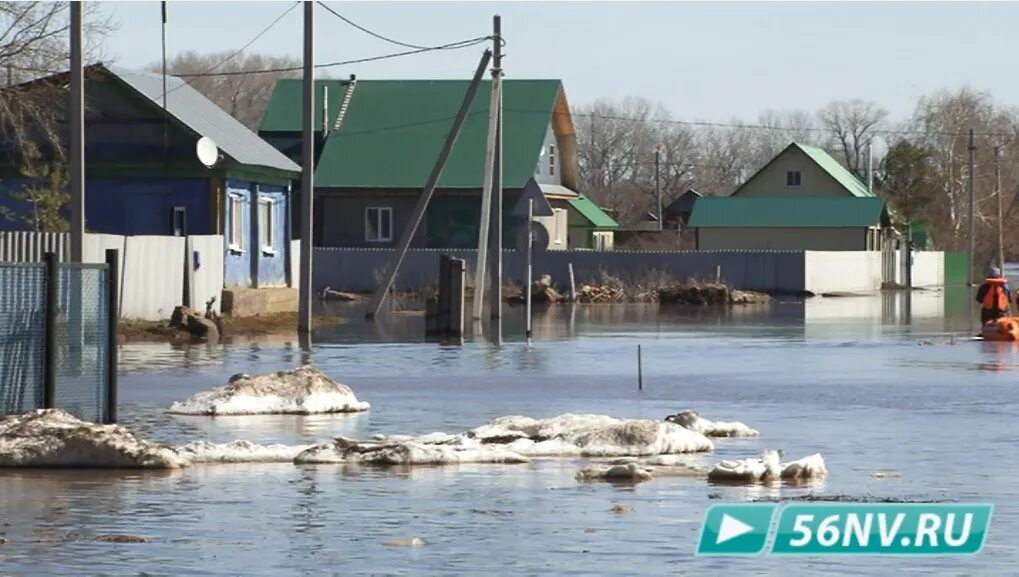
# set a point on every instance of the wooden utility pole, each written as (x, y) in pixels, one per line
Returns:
(495, 226)
(307, 171)
(480, 265)
(972, 148)
(76, 174)
(1001, 208)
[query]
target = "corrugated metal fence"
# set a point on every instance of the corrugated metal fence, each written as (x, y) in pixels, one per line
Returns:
(31, 246)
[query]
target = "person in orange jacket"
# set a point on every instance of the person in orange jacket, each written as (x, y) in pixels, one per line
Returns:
(993, 296)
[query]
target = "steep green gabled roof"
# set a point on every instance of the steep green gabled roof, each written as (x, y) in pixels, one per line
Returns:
(836, 170)
(393, 131)
(792, 212)
(822, 159)
(590, 211)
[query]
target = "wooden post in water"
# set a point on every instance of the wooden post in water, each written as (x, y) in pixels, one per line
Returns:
(573, 284)
(640, 371)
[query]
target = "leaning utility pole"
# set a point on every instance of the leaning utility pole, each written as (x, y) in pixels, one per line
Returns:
(480, 266)
(972, 148)
(307, 170)
(658, 186)
(495, 224)
(76, 174)
(407, 236)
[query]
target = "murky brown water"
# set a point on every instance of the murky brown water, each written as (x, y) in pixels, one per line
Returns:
(845, 377)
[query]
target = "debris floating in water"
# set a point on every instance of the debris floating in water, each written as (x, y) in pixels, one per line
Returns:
(617, 508)
(768, 469)
(411, 542)
(405, 452)
(302, 391)
(886, 475)
(54, 438)
(629, 473)
(693, 421)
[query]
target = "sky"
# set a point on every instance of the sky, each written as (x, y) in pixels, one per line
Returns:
(703, 61)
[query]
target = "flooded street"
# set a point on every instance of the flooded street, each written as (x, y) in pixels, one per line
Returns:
(846, 377)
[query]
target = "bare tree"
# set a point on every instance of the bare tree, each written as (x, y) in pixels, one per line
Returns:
(852, 125)
(244, 96)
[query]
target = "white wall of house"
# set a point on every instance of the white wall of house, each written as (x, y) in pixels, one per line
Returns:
(549, 168)
(557, 226)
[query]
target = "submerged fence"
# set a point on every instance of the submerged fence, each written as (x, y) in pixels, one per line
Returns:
(58, 338)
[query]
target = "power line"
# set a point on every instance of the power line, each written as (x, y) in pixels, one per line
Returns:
(241, 49)
(450, 46)
(367, 31)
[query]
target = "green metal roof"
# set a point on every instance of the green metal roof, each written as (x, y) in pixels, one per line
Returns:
(592, 213)
(393, 131)
(828, 212)
(836, 170)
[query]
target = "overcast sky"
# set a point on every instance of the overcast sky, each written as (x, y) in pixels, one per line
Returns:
(703, 61)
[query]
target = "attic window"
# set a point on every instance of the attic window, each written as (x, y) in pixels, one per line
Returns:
(792, 178)
(551, 160)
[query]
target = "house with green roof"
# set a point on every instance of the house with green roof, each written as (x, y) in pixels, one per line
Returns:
(803, 199)
(378, 140)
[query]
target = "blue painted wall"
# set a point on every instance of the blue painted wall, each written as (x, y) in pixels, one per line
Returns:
(272, 266)
(237, 260)
(128, 206)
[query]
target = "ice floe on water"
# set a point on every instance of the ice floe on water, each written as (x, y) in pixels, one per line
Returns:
(515, 439)
(693, 421)
(406, 452)
(54, 438)
(304, 390)
(589, 436)
(239, 452)
(768, 469)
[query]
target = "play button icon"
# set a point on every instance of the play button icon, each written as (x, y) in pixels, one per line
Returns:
(736, 529)
(731, 528)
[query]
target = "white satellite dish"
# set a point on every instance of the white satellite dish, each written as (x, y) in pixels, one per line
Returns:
(208, 152)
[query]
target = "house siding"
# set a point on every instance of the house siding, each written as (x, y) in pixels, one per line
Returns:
(771, 181)
(542, 172)
(774, 238)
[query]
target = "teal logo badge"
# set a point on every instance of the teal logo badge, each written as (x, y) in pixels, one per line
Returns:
(882, 529)
(736, 529)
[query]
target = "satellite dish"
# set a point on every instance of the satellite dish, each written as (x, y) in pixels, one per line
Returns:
(540, 239)
(208, 152)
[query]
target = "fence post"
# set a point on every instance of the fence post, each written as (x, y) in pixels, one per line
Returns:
(50, 360)
(113, 316)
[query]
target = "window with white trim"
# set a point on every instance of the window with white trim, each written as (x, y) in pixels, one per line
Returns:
(235, 227)
(267, 224)
(551, 160)
(378, 224)
(792, 178)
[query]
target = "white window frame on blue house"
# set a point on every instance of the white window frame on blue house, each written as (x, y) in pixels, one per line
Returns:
(235, 230)
(267, 224)
(373, 226)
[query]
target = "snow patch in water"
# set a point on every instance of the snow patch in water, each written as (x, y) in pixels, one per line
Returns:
(768, 469)
(54, 438)
(239, 452)
(303, 391)
(693, 421)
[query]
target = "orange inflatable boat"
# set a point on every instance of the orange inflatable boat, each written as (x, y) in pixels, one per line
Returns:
(1003, 329)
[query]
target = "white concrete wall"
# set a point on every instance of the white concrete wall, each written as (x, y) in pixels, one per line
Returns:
(208, 279)
(153, 277)
(928, 269)
(842, 271)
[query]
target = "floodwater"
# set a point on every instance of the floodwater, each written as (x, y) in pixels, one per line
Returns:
(848, 377)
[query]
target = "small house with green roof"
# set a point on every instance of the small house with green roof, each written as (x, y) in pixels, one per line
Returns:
(803, 199)
(378, 140)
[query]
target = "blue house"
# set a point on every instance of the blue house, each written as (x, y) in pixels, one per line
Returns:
(143, 176)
